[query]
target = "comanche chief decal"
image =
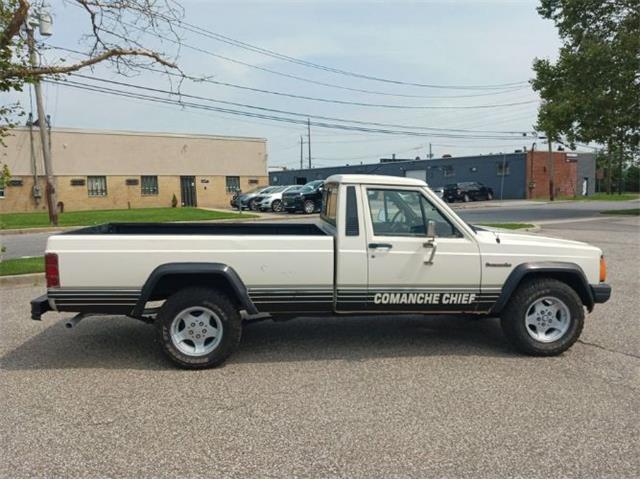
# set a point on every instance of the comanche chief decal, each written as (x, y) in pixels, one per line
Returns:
(424, 298)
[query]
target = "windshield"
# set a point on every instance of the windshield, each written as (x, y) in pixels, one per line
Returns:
(269, 190)
(293, 188)
(306, 189)
(315, 184)
(276, 190)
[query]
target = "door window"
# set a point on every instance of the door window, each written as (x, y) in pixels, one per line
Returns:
(405, 213)
(329, 204)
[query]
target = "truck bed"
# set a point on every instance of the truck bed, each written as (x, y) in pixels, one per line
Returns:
(259, 228)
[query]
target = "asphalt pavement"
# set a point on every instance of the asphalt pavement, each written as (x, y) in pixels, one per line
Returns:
(362, 397)
(33, 244)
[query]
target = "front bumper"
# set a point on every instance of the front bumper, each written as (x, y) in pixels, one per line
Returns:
(601, 292)
(39, 306)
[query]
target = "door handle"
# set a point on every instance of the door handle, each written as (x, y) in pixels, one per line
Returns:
(433, 246)
(381, 245)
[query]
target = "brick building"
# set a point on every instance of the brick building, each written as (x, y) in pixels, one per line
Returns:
(516, 175)
(98, 170)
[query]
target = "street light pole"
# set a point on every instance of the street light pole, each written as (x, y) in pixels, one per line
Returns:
(551, 170)
(309, 139)
(531, 181)
(50, 191)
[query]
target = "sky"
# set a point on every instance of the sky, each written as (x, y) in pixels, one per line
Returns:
(449, 44)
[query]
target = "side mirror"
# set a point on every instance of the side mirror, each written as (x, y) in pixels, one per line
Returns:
(431, 229)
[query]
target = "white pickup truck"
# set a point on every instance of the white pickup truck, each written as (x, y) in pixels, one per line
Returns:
(383, 246)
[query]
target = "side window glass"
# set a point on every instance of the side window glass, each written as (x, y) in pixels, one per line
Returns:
(329, 204)
(396, 212)
(444, 228)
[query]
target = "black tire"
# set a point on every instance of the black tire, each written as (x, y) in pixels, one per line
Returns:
(309, 207)
(276, 206)
(514, 314)
(489, 196)
(213, 300)
(252, 205)
(466, 198)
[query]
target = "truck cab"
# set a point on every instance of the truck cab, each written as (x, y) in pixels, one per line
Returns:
(382, 245)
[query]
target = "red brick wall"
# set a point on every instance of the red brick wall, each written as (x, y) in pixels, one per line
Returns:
(565, 174)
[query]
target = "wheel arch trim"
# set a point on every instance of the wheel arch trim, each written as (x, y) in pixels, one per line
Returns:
(195, 268)
(560, 270)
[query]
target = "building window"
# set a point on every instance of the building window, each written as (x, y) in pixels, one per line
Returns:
(97, 186)
(233, 184)
(149, 184)
(448, 171)
(503, 169)
(1, 191)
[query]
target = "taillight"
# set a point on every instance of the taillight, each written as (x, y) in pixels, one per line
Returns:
(603, 269)
(51, 270)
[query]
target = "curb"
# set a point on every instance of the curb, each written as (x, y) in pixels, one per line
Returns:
(29, 279)
(19, 231)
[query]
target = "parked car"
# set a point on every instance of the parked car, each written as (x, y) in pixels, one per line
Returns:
(382, 245)
(307, 200)
(273, 200)
(243, 200)
(467, 192)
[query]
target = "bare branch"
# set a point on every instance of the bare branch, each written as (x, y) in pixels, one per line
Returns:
(62, 69)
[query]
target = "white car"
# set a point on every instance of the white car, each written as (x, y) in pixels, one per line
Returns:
(382, 246)
(273, 200)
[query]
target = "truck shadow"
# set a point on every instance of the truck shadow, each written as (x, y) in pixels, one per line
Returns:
(121, 343)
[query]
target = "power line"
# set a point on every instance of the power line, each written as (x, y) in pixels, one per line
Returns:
(286, 112)
(306, 97)
(316, 123)
(249, 65)
(247, 46)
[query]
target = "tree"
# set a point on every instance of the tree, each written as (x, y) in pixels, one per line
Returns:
(592, 92)
(116, 31)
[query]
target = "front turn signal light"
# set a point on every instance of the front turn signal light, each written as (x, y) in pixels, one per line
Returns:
(603, 269)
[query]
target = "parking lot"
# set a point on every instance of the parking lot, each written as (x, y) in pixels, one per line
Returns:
(363, 397)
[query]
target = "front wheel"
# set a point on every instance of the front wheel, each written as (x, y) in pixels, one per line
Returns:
(276, 206)
(199, 328)
(466, 198)
(309, 207)
(544, 317)
(489, 196)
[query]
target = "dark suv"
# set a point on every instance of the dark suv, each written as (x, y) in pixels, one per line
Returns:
(308, 199)
(467, 192)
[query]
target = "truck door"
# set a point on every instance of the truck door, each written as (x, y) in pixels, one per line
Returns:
(410, 271)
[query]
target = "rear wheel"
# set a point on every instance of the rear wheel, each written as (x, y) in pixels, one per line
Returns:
(544, 317)
(309, 207)
(276, 206)
(466, 198)
(489, 196)
(199, 327)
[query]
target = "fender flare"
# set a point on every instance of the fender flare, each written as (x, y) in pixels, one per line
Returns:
(195, 268)
(557, 269)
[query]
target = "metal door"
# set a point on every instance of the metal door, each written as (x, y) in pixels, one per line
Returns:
(188, 191)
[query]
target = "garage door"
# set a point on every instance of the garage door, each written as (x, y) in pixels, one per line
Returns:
(419, 174)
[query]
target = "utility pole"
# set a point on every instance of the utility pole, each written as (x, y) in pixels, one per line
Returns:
(551, 170)
(301, 152)
(50, 191)
(309, 139)
(430, 152)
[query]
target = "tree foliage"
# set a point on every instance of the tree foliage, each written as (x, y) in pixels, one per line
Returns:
(592, 92)
(115, 32)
